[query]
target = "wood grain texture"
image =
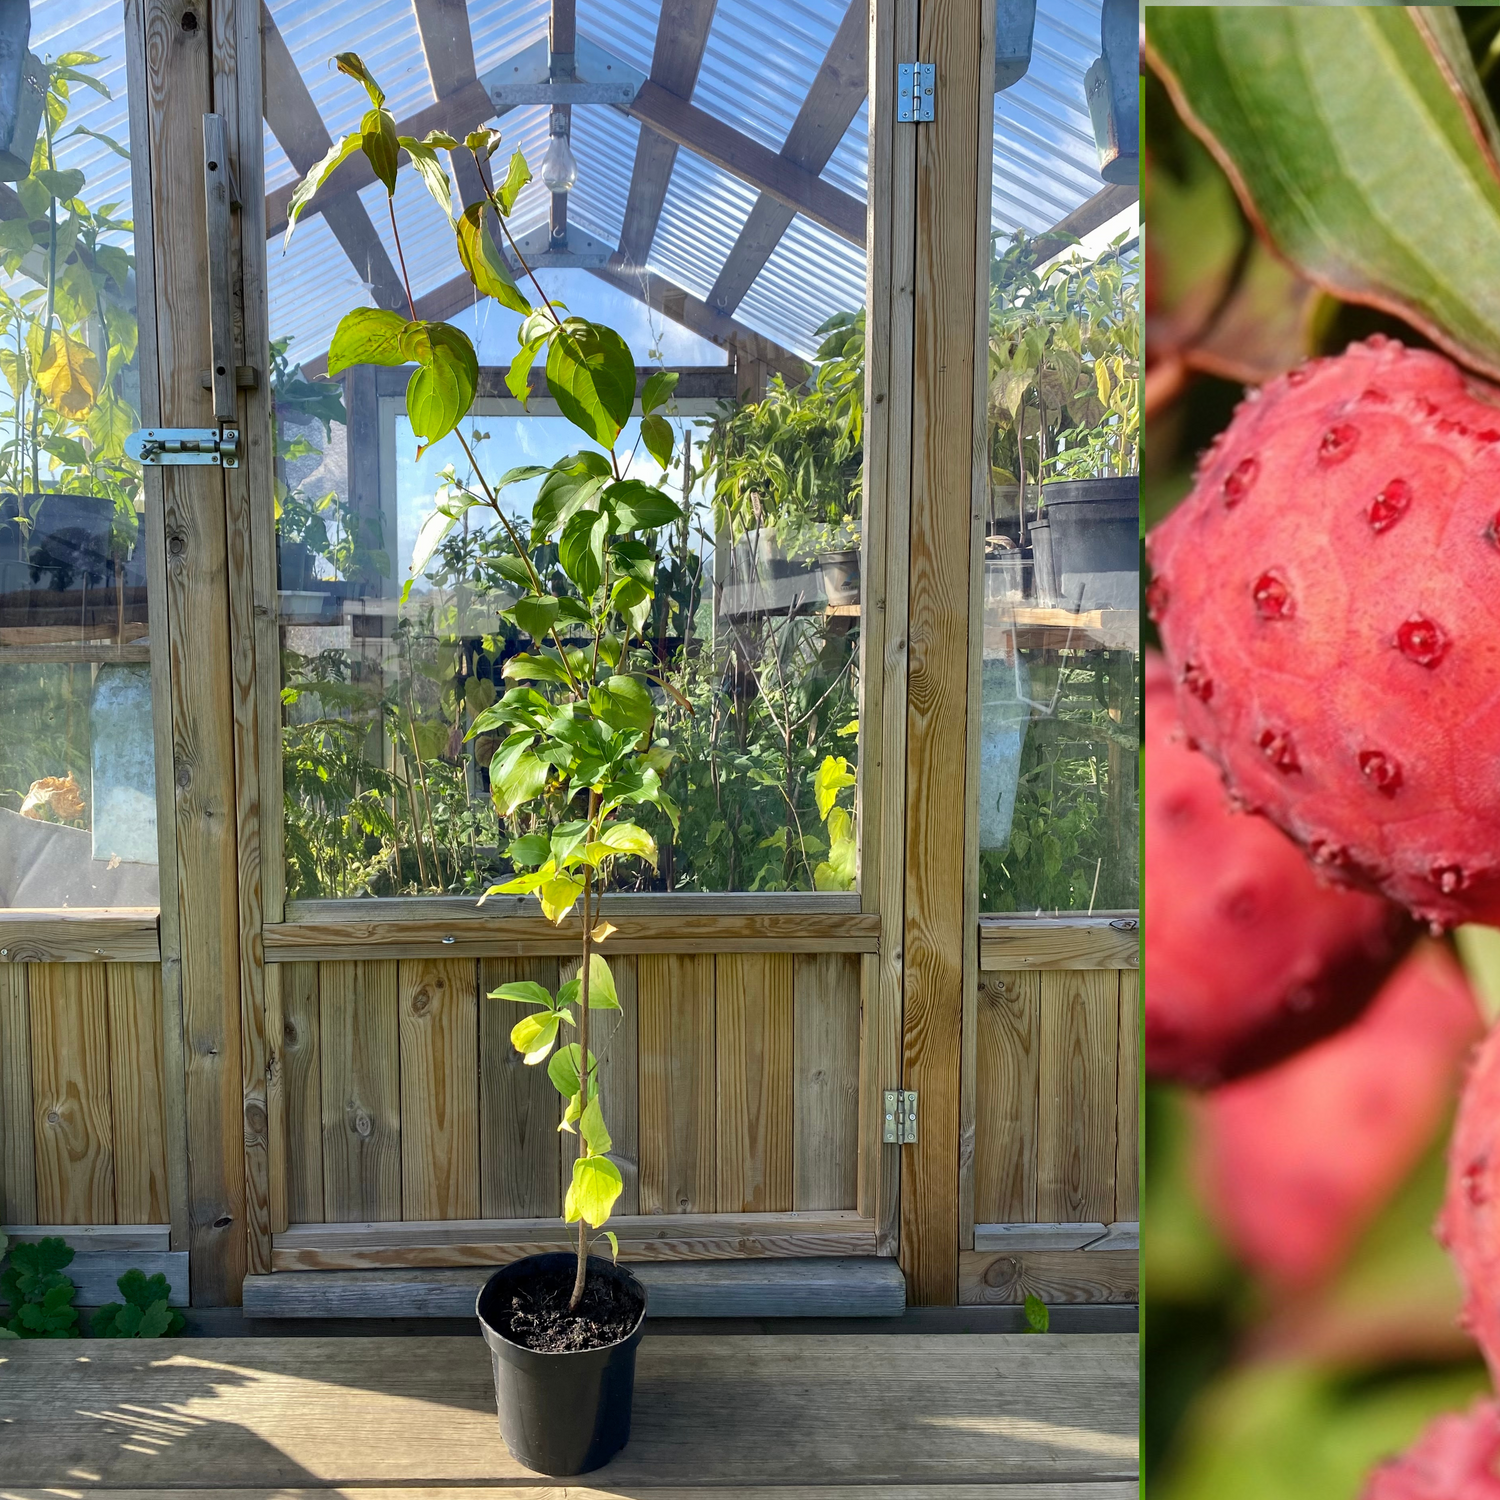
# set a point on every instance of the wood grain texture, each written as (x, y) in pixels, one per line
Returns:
(97, 1273)
(119, 935)
(678, 1157)
(826, 1127)
(1008, 1056)
(1059, 943)
(736, 1416)
(1053, 1275)
(653, 1237)
(17, 1120)
(360, 1049)
(101, 1238)
(1128, 1103)
(439, 1011)
(70, 1073)
(754, 1043)
(276, 1104)
(519, 1144)
(138, 1089)
(1013, 1238)
(950, 34)
(302, 1086)
(1080, 1018)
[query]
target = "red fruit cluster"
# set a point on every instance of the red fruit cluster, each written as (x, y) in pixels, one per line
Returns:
(1329, 602)
(1454, 1459)
(1249, 957)
(1297, 1161)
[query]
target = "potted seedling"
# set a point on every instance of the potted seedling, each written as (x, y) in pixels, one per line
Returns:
(575, 748)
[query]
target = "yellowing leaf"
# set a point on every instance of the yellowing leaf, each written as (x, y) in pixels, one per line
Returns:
(558, 895)
(592, 1128)
(533, 1036)
(602, 992)
(592, 1193)
(602, 931)
(68, 375)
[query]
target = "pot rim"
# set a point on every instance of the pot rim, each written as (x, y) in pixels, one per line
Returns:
(610, 1266)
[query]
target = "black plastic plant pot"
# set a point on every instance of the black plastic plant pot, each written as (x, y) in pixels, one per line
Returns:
(1095, 540)
(565, 1413)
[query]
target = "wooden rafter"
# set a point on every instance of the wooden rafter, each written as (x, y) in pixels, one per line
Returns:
(832, 102)
(297, 125)
(1099, 209)
(448, 47)
(681, 36)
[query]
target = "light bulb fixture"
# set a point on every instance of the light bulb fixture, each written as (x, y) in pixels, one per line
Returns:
(559, 166)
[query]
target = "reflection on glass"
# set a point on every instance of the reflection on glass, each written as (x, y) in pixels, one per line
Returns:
(77, 791)
(1061, 655)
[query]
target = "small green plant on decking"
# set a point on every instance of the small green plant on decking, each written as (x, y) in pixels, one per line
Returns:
(40, 1296)
(576, 724)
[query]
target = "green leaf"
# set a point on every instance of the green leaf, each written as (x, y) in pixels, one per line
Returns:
(440, 393)
(317, 175)
(641, 507)
(64, 185)
(632, 599)
(1037, 1317)
(563, 1069)
(483, 142)
(563, 494)
(533, 1036)
(833, 775)
(592, 1128)
(591, 376)
(368, 336)
(154, 1321)
(592, 1193)
(518, 376)
(614, 1244)
(378, 139)
(602, 992)
(623, 703)
(484, 263)
(353, 65)
(128, 1322)
(432, 172)
(515, 179)
(580, 549)
(524, 992)
(529, 850)
(525, 668)
(660, 440)
(516, 778)
(557, 896)
(536, 614)
(627, 838)
(658, 390)
(1382, 191)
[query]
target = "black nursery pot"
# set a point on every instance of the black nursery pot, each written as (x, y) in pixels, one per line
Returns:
(563, 1413)
(1095, 538)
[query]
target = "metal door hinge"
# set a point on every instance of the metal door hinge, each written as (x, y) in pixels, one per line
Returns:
(185, 445)
(916, 89)
(900, 1117)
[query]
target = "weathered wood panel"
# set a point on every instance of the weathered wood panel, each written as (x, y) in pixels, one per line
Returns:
(826, 1083)
(1128, 1109)
(1059, 943)
(678, 1159)
(70, 1080)
(17, 1121)
(439, 1013)
(1077, 1070)
(1053, 1275)
(519, 1144)
(119, 935)
(302, 1091)
(754, 1021)
(361, 1092)
(138, 1088)
(1005, 1118)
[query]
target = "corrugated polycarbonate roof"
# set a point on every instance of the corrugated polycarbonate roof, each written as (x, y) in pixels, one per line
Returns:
(760, 61)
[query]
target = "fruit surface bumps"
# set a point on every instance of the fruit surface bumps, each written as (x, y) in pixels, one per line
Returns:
(1328, 598)
(1249, 956)
(1454, 1459)
(1297, 1161)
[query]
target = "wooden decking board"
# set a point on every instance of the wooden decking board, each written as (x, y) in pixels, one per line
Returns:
(1122, 1490)
(736, 1411)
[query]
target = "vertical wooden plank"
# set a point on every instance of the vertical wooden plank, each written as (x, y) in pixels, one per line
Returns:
(754, 1036)
(301, 1084)
(951, 33)
(276, 1102)
(826, 1110)
(1128, 1106)
(75, 1168)
(361, 1092)
(519, 1144)
(17, 1120)
(676, 1006)
(1080, 1011)
(439, 1013)
(1007, 1047)
(890, 276)
(138, 1093)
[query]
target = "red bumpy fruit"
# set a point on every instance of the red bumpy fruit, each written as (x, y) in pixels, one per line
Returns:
(1248, 955)
(1454, 1459)
(1297, 1161)
(1329, 601)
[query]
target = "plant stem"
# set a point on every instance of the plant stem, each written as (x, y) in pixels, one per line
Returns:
(583, 1044)
(411, 302)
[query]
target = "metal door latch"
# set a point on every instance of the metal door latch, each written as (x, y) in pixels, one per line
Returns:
(185, 445)
(916, 91)
(900, 1117)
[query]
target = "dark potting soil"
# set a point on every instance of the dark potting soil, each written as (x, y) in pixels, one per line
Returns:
(538, 1316)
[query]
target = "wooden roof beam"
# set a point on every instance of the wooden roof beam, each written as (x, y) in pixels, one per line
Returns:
(832, 102)
(681, 37)
(297, 125)
(448, 46)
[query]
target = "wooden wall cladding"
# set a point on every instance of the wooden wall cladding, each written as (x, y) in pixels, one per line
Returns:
(731, 1086)
(1056, 1082)
(82, 1095)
